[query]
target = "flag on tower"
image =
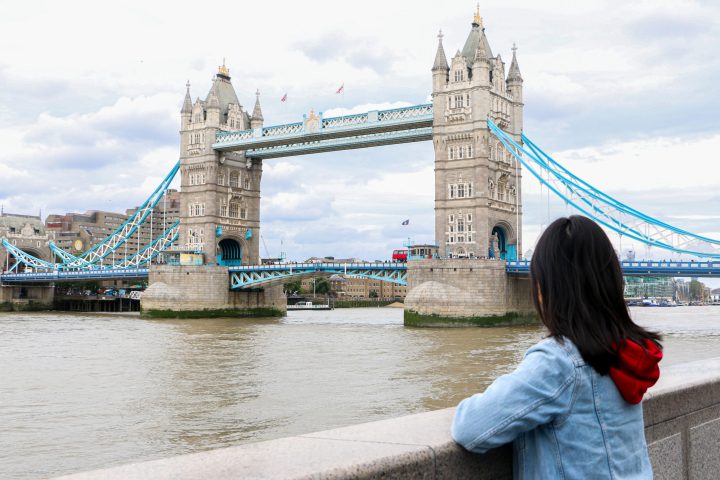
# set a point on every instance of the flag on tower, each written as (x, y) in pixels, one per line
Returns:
(284, 98)
(406, 222)
(341, 89)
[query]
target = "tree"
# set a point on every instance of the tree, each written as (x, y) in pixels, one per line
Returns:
(322, 286)
(293, 287)
(696, 289)
(373, 294)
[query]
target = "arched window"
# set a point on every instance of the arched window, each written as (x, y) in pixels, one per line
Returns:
(246, 183)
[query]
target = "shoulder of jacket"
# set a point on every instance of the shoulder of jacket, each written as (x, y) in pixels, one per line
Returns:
(562, 349)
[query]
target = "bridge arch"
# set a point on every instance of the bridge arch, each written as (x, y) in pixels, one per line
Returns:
(230, 251)
(502, 242)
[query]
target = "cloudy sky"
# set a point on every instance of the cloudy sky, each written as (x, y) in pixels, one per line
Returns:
(622, 92)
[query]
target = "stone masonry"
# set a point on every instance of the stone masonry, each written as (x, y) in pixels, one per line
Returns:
(184, 291)
(461, 292)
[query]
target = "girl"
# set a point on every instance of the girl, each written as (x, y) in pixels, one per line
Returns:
(572, 407)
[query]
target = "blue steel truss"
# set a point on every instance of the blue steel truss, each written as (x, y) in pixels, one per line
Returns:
(641, 268)
(93, 257)
(257, 275)
(601, 207)
(377, 127)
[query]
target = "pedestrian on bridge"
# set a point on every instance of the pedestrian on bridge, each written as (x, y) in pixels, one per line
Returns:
(572, 407)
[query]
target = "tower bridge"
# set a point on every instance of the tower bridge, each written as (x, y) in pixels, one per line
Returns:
(475, 123)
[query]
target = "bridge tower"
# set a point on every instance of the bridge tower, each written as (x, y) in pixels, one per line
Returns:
(220, 191)
(478, 211)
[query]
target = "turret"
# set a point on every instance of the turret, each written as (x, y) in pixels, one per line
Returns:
(186, 110)
(212, 106)
(256, 121)
(514, 86)
(440, 68)
(481, 66)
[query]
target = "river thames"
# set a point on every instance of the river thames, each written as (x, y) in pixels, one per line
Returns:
(88, 391)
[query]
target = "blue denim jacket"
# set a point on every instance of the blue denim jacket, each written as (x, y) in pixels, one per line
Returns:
(564, 419)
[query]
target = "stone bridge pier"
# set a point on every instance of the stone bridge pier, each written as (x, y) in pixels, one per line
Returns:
(466, 292)
(204, 292)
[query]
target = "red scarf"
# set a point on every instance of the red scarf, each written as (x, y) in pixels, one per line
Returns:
(637, 369)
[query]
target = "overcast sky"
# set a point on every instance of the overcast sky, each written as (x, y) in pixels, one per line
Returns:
(623, 92)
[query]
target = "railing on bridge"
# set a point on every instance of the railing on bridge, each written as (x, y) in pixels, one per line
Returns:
(69, 275)
(643, 268)
(317, 134)
(255, 275)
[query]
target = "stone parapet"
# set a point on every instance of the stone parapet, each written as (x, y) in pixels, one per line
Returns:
(461, 292)
(682, 418)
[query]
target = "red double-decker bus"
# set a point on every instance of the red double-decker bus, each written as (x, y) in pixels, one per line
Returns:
(399, 256)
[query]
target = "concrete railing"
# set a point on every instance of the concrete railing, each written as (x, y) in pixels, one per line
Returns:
(682, 418)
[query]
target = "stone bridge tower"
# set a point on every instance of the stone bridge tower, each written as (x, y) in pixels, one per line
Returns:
(478, 211)
(220, 191)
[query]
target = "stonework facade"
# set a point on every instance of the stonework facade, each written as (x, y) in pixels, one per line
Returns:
(220, 191)
(26, 232)
(478, 212)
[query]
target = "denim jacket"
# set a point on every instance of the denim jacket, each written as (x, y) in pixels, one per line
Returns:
(565, 420)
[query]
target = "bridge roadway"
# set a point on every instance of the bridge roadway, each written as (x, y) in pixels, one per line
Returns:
(249, 276)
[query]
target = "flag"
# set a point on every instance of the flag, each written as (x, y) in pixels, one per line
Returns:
(284, 98)
(406, 222)
(341, 89)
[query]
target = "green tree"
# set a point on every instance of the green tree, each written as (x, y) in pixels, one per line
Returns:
(293, 287)
(373, 294)
(696, 289)
(322, 285)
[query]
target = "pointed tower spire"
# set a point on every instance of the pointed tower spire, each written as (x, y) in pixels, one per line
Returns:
(187, 103)
(514, 73)
(440, 58)
(257, 119)
(477, 19)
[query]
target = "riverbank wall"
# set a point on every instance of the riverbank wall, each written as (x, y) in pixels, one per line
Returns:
(682, 428)
(461, 292)
(203, 292)
(21, 298)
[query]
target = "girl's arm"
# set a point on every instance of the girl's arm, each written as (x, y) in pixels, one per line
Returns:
(539, 390)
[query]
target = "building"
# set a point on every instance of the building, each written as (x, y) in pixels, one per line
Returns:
(26, 232)
(220, 200)
(659, 287)
(477, 180)
(347, 286)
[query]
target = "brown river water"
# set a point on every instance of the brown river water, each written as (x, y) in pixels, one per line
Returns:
(79, 392)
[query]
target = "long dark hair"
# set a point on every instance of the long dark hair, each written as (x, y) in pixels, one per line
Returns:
(577, 288)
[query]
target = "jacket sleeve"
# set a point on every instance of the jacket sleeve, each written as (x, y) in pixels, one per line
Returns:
(539, 390)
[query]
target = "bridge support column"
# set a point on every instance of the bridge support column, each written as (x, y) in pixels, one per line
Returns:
(466, 292)
(26, 297)
(204, 292)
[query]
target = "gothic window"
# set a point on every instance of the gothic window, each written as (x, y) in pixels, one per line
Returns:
(221, 178)
(461, 239)
(234, 209)
(451, 153)
(469, 151)
(467, 99)
(459, 75)
(453, 191)
(246, 183)
(469, 190)
(469, 217)
(469, 239)
(499, 155)
(235, 179)
(458, 101)
(452, 228)
(461, 190)
(223, 208)
(451, 218)
(243, 213)
(460, 224)
(461, 152)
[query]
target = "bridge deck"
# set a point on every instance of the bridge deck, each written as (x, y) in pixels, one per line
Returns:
(248, 275)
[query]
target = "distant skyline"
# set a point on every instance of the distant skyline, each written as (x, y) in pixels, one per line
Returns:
(622, 92)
